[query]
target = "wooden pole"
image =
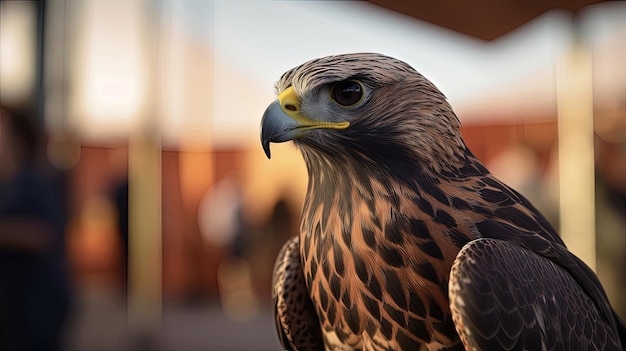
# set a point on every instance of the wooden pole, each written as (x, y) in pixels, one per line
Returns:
(576, 152)
(145, 235)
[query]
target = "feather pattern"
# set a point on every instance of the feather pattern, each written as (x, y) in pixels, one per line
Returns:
(396, 201)
(296, 321)
(494, 312)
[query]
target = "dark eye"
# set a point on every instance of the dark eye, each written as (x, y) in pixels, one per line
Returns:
(347, 93)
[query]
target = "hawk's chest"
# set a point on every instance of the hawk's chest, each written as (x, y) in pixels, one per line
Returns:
(335, 289)
(376, 262)
(372, 274)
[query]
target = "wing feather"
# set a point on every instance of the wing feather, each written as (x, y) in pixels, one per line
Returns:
(503, 296)
(296, 321)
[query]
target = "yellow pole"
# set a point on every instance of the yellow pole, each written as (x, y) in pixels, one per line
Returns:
(145, 244)
(576, 153)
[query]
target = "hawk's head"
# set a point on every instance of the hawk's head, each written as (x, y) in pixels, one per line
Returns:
(363, 106)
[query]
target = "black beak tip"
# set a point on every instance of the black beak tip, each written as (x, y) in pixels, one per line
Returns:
(266, 148)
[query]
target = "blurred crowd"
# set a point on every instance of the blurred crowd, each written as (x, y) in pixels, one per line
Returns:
(43, 240)
(35, 290)
(224, 254)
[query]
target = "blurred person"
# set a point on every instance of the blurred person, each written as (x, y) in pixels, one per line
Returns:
(120, 200)
(223, 224)
(34, 282)
(282, 224)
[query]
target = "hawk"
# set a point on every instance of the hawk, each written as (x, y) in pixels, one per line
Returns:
(406, 241)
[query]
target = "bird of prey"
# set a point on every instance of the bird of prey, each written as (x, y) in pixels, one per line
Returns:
(406, 241)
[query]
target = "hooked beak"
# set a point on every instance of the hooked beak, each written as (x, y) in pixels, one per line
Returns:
(284, 121)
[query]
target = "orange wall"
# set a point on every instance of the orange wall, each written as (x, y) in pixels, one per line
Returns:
(189, 261)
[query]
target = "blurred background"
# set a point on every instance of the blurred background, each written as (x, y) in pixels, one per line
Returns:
(150, 215)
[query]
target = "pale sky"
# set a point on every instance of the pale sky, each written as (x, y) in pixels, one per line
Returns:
(265, 38)
(248, 44)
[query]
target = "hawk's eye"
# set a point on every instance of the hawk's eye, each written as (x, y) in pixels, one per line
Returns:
(347, 93)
